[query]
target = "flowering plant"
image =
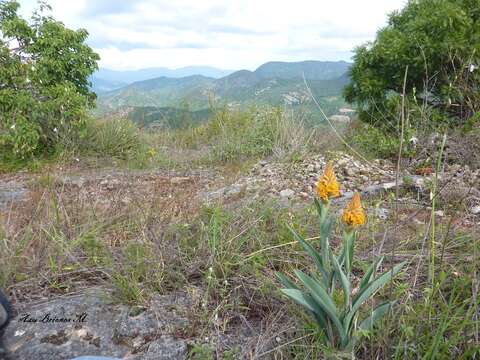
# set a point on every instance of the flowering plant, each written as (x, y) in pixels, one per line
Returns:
(338, 319)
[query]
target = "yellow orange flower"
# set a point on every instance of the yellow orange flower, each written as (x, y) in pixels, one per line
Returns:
(327, 186)
(354, 215)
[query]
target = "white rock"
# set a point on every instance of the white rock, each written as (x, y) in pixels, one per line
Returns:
(349, 172)
(340, 118)
(382, 213)
(287, 193)
(475, 210)
(179, 180)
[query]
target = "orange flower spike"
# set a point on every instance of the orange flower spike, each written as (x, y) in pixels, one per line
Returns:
(327, 186)
(354, 215)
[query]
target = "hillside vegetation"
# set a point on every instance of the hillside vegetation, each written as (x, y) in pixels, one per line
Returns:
(272, 84)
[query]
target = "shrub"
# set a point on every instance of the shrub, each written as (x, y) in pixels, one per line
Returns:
(438, 41)
(374, 141)
(44, 88)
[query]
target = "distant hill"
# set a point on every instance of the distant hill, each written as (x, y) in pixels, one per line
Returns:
(313, 70)
(159, 92)
(106, 76)
(101, 85)
(274, 83)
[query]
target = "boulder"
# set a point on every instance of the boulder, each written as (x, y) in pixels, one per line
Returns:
(89, 324)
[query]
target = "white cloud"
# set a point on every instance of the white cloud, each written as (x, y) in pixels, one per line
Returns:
(242, 34)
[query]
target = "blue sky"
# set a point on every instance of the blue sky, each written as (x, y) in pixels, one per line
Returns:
(241, 34)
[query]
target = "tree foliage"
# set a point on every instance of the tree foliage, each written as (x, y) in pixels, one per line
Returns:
(439, 42)
(44, 87)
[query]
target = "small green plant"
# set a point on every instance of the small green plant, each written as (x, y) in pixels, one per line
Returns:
(201, 352)
(335, 309)
(118, 138)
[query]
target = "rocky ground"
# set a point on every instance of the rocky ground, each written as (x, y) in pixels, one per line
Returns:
(296, 181)
(266, 178)
(159, 331)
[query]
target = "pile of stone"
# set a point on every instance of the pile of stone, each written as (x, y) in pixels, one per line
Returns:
(298, 179)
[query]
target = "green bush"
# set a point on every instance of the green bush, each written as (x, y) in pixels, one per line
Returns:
(438, 40)
(374, 142)
(44, 87)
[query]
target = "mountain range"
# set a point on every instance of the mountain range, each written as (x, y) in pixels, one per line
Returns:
(273, 84)
(105, 80)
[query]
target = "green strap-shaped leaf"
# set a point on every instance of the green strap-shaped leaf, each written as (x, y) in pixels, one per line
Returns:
(300, 298)
(322, 298)
(317, 288)
(317, 259)
(343, 280)
(308, 303)
(341, 257)
(351, 250)
(370, 320)
(369, 273)
(308, 248)
(285, 281)
(325, 229)
(375, 315)
(369, 290)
